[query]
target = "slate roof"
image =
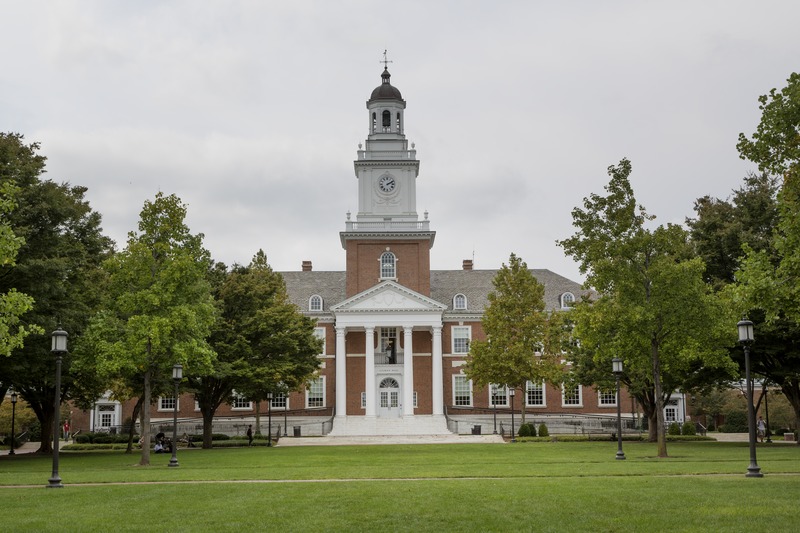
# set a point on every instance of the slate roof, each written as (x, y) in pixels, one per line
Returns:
(445, 284)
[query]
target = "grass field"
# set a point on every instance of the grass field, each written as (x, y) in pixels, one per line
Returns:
(576, 486)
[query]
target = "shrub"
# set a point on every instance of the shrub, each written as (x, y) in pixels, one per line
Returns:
(219, 436)
(82, 439)
(543, 430)
(674, 429)
(735, 422)
(688, 428)
(527, 430)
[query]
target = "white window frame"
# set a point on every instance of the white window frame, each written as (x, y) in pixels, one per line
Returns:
(533, 387)
(315, 387)
(240, 403)
(462, 379)
(279, 401)
(320, 333)
(502, 392)
(363, 400)
(454, 335)
(388, 266)
(603, 398)
(315, 303)
(567, 300)
(167, 403)
(572, 403)
(459, 302)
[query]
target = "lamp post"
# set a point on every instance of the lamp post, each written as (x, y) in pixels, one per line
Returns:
(13, 416)
(745, 328)
(177, 376)
(494, 408)
(269, 419)
(766, 409)
(58, 347)
(616, 366)
(511, 393)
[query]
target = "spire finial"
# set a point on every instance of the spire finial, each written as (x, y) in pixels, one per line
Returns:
(385, 61)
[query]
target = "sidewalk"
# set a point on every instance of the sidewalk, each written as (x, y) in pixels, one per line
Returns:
(28, 447)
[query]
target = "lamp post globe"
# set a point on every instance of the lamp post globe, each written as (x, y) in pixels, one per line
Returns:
(616, 368)
(13, 417)
(177, 376)
(58, 347)
(745, 328)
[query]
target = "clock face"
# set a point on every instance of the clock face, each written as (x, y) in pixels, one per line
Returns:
(387, 183)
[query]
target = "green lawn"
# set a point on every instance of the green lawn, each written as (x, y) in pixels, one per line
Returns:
(576, 486)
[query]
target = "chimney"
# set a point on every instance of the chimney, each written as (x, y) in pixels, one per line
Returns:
(467, 264)
(306, 266)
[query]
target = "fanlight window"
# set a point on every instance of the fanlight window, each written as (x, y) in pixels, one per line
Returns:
(389, 383)
(315, 303)
(567, 299)
(459, 301)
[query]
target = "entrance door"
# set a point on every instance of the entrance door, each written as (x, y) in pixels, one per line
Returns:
(389, 398)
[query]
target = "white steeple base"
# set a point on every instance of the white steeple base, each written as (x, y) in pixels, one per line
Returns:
(350, 426)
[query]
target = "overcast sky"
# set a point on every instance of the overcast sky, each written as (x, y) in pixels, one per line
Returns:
(252, 111)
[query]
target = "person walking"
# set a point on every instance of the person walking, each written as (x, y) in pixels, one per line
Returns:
(250, 435)
(762, 429)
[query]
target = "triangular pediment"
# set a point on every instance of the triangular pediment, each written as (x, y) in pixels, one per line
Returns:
(388, 296)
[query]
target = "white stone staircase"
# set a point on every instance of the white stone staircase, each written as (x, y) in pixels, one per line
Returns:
(370, 426)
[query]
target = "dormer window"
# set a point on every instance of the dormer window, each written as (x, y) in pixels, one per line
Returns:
(567, 300)
(315, 303)
(459, 301)
(388, 266)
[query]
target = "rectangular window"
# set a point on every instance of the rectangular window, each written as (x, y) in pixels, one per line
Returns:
(534, 394)
(462, 391)
(461, 338)
(415, 399)
(363, 400)
(315, 396)
(498, 395)
(166, 404)
(320, 334)
(608, 398)
(241, 403)
(106, 420)
(280, 401)
(571, 396)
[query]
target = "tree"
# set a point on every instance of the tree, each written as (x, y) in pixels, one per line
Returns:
(768, 279)
(260, 337)
(58, 265)
(161, 309)
(522, 342)
(653, 310)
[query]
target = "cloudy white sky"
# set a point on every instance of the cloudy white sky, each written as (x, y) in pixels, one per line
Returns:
(252, 111)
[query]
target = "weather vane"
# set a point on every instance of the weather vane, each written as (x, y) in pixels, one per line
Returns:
(385, 61)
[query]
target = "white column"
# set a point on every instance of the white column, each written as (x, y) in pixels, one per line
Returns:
(408, 372)
(437, 386)
(369, 370)
(341, 373)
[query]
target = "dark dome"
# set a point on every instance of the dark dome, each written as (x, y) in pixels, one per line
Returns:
(385, 91)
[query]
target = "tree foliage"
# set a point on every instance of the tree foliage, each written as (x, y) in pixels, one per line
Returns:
(769, 280)
(263, 343)
(523, 341)
(160, 311)
(653, 310)
(58, 265)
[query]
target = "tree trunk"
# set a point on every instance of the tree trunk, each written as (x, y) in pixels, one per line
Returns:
(208, 426)
(145, 459)
(132, 429)
(791, 390)
(659, 397)
(258, 418)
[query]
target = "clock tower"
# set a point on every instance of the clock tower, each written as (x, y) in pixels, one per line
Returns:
(387, 224)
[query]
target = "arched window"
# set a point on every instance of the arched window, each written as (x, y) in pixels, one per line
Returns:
(398, 122)
(388, 266)
(374, 122)
(567, 300)
(386, 121)
(315, 303)
(389, 383)
(459, 301)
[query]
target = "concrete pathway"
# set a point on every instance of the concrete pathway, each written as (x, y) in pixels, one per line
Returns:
(28, 447)
(390, 439)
